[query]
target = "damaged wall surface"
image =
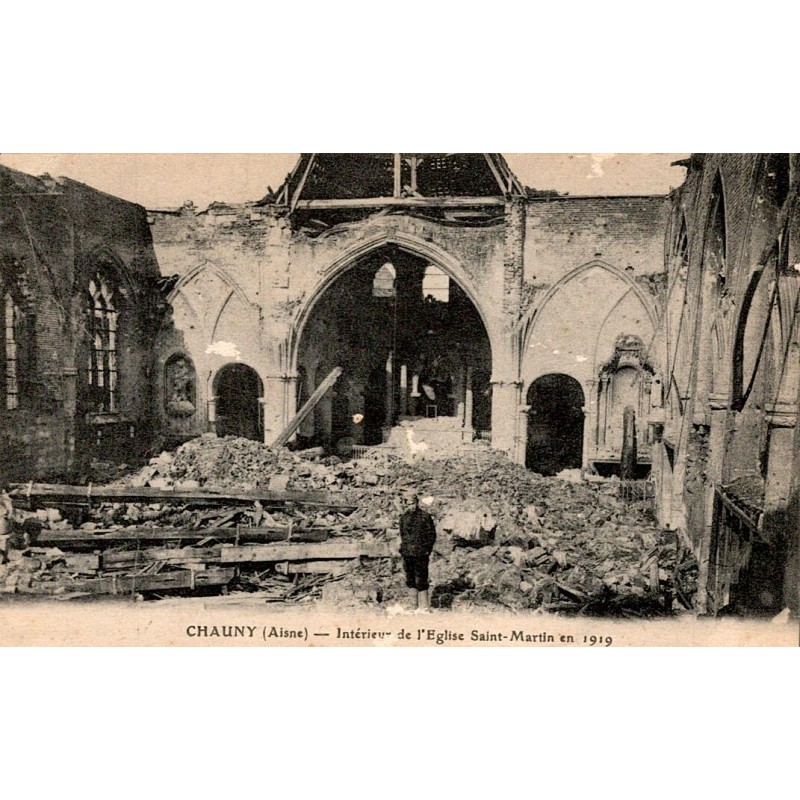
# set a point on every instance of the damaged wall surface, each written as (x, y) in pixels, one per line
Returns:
(264, 285)
(80, 306)
(729, 341)
(444, 302)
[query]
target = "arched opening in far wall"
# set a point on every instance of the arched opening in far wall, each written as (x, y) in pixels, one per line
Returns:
(412, 346)
(238, 390)
(555, 424)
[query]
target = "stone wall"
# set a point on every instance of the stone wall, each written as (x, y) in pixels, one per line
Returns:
(54, 235)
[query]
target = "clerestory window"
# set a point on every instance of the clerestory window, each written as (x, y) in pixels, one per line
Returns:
(383, 282)
(436, 284)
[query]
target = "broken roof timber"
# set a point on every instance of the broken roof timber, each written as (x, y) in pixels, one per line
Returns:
(384, 202)
(365, 176)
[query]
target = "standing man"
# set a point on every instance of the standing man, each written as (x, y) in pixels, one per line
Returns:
(417, 537)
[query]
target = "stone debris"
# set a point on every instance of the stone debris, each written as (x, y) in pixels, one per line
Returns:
(506, 537)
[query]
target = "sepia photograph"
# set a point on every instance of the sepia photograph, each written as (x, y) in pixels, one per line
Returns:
(400, 399)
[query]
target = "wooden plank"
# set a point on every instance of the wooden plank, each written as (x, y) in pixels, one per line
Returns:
(164, 581)
(308, 407)
(128, 559)
(54, 494)
(317, 567)
(82, 562)
(242, 533)
(230, 554)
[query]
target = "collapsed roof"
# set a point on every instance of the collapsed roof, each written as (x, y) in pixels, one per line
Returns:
(326, 180)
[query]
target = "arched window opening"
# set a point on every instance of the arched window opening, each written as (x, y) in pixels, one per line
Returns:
(716, 251)
(383, 283)
(777, 182)
(777, 179)
(435, 285)
(102, 367)
(681, 244)
(12, 322)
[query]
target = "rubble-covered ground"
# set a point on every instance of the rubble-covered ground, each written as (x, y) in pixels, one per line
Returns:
(506, 537)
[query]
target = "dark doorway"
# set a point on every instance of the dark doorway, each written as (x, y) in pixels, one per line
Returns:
(555, 425)
(238, 389)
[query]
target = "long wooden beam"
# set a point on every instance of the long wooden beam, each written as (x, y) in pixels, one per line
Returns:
(327, 551)
(83, 495)
(128, 584)
(243, 533)
(408, 202)
(297, 420)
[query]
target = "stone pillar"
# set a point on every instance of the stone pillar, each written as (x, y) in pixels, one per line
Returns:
(782, 420)
(718, 416)
(513, 257)
(403, 390)
(211, 405)
(459, 395)
(590, 422)
(389, 390)
(468, 399)
(289, 398)
(275, 406)
(262, 413)
(415, 396)
(69, 382)
(506, 417)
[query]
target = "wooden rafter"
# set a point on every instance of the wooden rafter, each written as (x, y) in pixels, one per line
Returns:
(300, 186)
(496, 172)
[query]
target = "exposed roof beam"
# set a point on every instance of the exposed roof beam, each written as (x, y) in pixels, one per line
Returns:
(383, 202)
(496, 173)
(301, 185)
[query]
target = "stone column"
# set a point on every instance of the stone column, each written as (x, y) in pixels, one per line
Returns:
(590, 422)
(513, 256)
(415, 402)
(506, 417)
(211, 405)
(782, 420)
(718, 416)
(262, 413)
(403, 390)
(468, 399)
(69, 382)
(275, 405)
(459, 395)
(389, 390)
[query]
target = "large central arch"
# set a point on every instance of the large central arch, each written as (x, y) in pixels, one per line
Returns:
(407, 243)
(413, 344)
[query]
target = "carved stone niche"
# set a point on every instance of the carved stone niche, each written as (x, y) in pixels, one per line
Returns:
(624, 380)
(180, 386)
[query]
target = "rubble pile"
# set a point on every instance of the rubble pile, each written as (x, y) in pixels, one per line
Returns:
(557, 545)
(505, 536)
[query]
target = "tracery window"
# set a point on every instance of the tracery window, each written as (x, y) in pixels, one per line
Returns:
(716, 253)
(12, 318)
(102, 367)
